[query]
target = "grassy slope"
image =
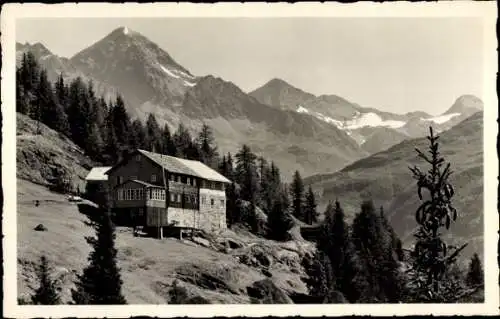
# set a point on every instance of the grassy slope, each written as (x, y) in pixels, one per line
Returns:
(385, 178)
(148, 265)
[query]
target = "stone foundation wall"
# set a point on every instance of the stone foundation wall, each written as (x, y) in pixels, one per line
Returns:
(212, 209)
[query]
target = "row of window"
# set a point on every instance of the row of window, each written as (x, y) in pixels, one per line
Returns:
(130, 194)
(159, 194)
(212, 201)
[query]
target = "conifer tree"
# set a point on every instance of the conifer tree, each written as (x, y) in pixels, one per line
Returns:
(120, 121)
(22, 99)
(375, 256)
(46, 293)
(182, 141)
(297, 193)
(207, 146)
(168, 142)
(246, 174)
(310, 212)
(320, 276)
(278, 219)
(138, 135)
(153, 135)
(431, 255)
(230, 167)
(100, 283)
(475, 276)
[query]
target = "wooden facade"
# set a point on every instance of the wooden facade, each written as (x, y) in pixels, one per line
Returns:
(146, 193)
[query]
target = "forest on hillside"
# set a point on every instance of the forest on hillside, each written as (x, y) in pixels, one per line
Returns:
(363, 262)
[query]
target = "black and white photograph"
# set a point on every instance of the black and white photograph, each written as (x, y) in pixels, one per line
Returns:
(333, 157)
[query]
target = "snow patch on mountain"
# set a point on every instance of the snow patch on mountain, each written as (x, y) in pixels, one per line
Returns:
(169, 72)
(442, 118)
(372, 120)
(179, 72)
(360, 120)
(302, 109)
(125, 30)
(186, 83)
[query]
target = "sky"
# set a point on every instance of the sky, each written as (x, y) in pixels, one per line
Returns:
(392, 64)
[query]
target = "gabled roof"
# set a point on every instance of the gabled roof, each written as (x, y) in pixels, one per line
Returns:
(98, 173)
(183, 166)
(179, 166)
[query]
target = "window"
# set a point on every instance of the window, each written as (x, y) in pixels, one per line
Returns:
(153, 178)
(194, 182)
(177, 178)
(222, 203)
(119, 179)
(203, 200)
(188, 181)
(212, 201)
(187, 198)
(179, 198)
(138, 158)
(119, 194)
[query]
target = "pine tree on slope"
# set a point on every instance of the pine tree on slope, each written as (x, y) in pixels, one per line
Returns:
(100, 283)
(475, 276)
(310, 212)
(297, 193)
(46, 293)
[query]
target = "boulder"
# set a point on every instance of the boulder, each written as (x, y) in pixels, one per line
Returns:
(266, 292)
(40, 227)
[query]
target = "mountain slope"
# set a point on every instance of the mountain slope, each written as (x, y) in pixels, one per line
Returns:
(385, 178)
(280, 94)
(139, 68)
(56, 65)
(151, 81)
(294, 141)
(362, 122)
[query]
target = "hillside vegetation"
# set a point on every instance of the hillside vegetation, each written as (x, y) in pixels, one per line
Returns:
(385, 178)
(44, 155)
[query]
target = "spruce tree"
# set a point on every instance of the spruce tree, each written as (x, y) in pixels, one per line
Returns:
(278, 219)
(168, 142)
(182, 141)
(320, 276)
(246, 174)
(138, 135)
(153, 135)
(46, 293)
(207, 146)
(100, 283)
(475, 276)
(297, 193)
(431, 255)
(380, 270)
(310, 212)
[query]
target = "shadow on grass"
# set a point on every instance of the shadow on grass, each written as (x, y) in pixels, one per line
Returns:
(93, 213)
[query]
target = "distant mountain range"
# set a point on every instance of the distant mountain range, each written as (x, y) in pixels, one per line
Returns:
(296, 129)
(385, 178)
(374, 130)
